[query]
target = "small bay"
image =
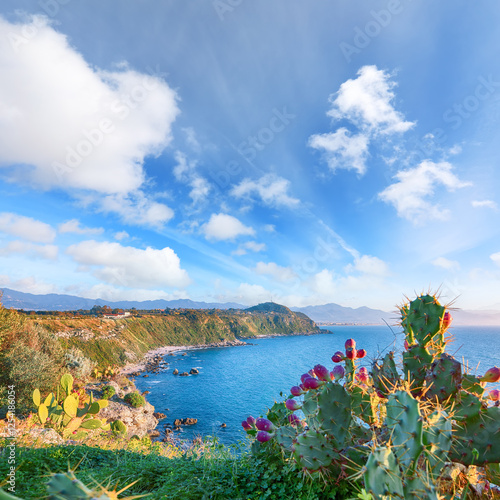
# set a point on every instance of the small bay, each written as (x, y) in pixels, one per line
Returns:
(234, 382)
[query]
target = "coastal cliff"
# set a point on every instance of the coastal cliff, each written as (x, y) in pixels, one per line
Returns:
(124, 340)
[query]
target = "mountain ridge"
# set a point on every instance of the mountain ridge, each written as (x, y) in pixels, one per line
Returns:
(325, 313)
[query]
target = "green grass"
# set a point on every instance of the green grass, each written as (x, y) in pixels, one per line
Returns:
(206, 472)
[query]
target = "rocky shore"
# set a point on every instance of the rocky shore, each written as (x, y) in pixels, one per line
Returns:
(153, 359)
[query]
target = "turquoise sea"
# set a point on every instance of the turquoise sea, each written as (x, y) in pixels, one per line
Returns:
(235, 382)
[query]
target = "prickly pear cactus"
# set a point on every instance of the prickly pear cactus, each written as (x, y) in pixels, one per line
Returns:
(312, 451)
(423, 322)
(334, 412)
(405, 423)
(444, 378)
(385, 376)
(382, 476)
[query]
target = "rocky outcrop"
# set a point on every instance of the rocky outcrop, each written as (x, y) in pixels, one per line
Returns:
(194, 371)
(185, 421)
(138, 420)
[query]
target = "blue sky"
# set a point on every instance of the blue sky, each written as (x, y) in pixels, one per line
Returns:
(237, 150)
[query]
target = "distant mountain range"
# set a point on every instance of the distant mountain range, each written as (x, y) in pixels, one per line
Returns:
(56, 302)
(327, 313)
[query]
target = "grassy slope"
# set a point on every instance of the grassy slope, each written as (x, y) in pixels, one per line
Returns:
(111, 339)
(206, 472)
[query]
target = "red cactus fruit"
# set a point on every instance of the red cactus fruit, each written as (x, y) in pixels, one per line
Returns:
(338, 357)
(350, 344)
(338, 372)
(361, 353)
(246, 426)
(351, 353)
(305, 376)
(322, 373)
(447, 319)
(494, 395)
(492, 375)
(312, 383)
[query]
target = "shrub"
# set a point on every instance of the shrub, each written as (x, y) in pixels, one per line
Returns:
(77, 363)
(108, 391)
(134, 399)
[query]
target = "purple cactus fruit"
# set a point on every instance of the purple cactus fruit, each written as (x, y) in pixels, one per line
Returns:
(312, 383)
(302, 388)
(246, 426)
(322, 373)
(492, 375)
(264, 436)
(292, 405)
(251, 420)
(361, 353)
(263, 424)
(338, 357)
(296, 391)
(293, 419)
(350, 344)
(494, 395)
(304, 377)
(351, 353)
(338, 372)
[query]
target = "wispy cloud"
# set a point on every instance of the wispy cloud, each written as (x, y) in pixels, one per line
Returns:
(444, 263)
(73, 226)
(343, 149)
(414, 187)
(485, 204)
(270, 189)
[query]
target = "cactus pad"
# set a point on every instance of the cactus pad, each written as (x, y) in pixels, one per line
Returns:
(382, 476)
(334, 412)
(444, 378)
(312, 451)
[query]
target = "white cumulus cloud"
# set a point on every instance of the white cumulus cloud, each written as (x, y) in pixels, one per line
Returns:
(414, 187)
(71, 125)
(225, 227)
(26, 228)
(367, 102)
(129, 266)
